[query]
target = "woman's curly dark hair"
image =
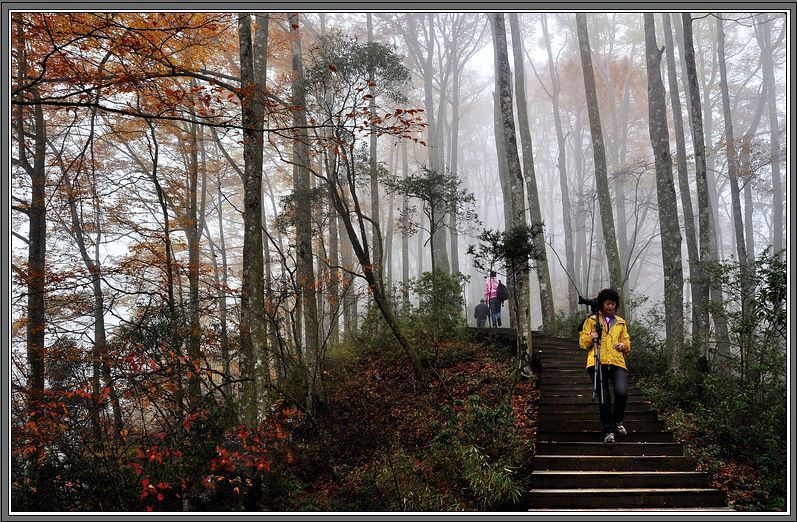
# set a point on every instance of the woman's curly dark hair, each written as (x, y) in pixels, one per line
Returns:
(608, 294)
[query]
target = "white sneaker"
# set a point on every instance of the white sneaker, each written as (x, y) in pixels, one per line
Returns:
(621, 430)
(609, 438)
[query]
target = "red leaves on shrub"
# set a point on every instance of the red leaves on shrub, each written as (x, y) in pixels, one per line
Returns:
(524, 404)
(739, 482)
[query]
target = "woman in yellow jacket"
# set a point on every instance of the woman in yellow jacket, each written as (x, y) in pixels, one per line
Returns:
(615, 345)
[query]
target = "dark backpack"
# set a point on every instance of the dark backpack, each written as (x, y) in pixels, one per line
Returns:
(502, 293)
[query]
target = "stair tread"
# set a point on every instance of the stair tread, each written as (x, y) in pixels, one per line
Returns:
(616, 491)
(616, 444)
(565, 402)
(597, 430)
(632, 510)
(592, 472)
(618, 457)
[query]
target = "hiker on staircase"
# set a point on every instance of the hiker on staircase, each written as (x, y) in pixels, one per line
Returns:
(615, 345)
(492, 298)
(481, 313)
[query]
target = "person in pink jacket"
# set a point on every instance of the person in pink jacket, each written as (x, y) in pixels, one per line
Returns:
(491, 296)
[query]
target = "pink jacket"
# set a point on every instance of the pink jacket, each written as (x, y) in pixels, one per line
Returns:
(490, 288)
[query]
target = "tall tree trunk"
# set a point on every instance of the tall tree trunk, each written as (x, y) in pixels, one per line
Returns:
(730, 151)
(253, 325)
(765, 43)
(305, 270)
(377, 234)
(747, 174)
(503, 178)
(708, 132)
(212, 255)
(261, 354)
(95, 269)
(334, 249)
(515, 175)
(596, 251)
(222, 295)
(679, 39)
(420, 246)
(432, 144)
(77, 232)
(599, 153)
(716, 244)
(683, 173)
(321, 266)
(747, 284)
(405, 243)
(700, 331)
(561, 163)
(454, 151)
(269, 360)
(582, 213)
(389, 233)
(334, 275)
(668, 206)
(36, 212)
(616, 137)
(543, 272)
(191, 230)
(620, 146)
(349, 302)
(389, 248)
(174, 318)
(503, 175)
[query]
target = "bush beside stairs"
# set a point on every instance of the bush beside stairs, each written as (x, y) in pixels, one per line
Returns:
(575, 470)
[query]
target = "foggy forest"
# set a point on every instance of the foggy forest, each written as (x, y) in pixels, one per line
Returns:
(247, 249)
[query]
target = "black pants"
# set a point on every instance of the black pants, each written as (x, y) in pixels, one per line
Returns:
(495, 311)
(612, 412)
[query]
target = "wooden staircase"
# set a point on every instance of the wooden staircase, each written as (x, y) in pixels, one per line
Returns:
(575, 470)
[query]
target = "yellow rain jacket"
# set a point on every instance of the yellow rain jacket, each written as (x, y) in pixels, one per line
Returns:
(618, 333)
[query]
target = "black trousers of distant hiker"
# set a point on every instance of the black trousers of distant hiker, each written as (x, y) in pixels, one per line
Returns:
(612, 411)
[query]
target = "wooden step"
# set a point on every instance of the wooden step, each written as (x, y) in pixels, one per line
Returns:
(569, 374)
(591, 407)
(499, 331)
(579, 391)
(592, 414)
(575, 470)
(614, 463)
(552, 398)
(548, 366)
(579, 387)
(564, 365)
(631, 425)
(634, 510)
(596, 435)
(568, 371)
(626, 498)
(560, 354)
(578, 376)
(618, 448)
(565, 362)
(574, 382)
(618, 479)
